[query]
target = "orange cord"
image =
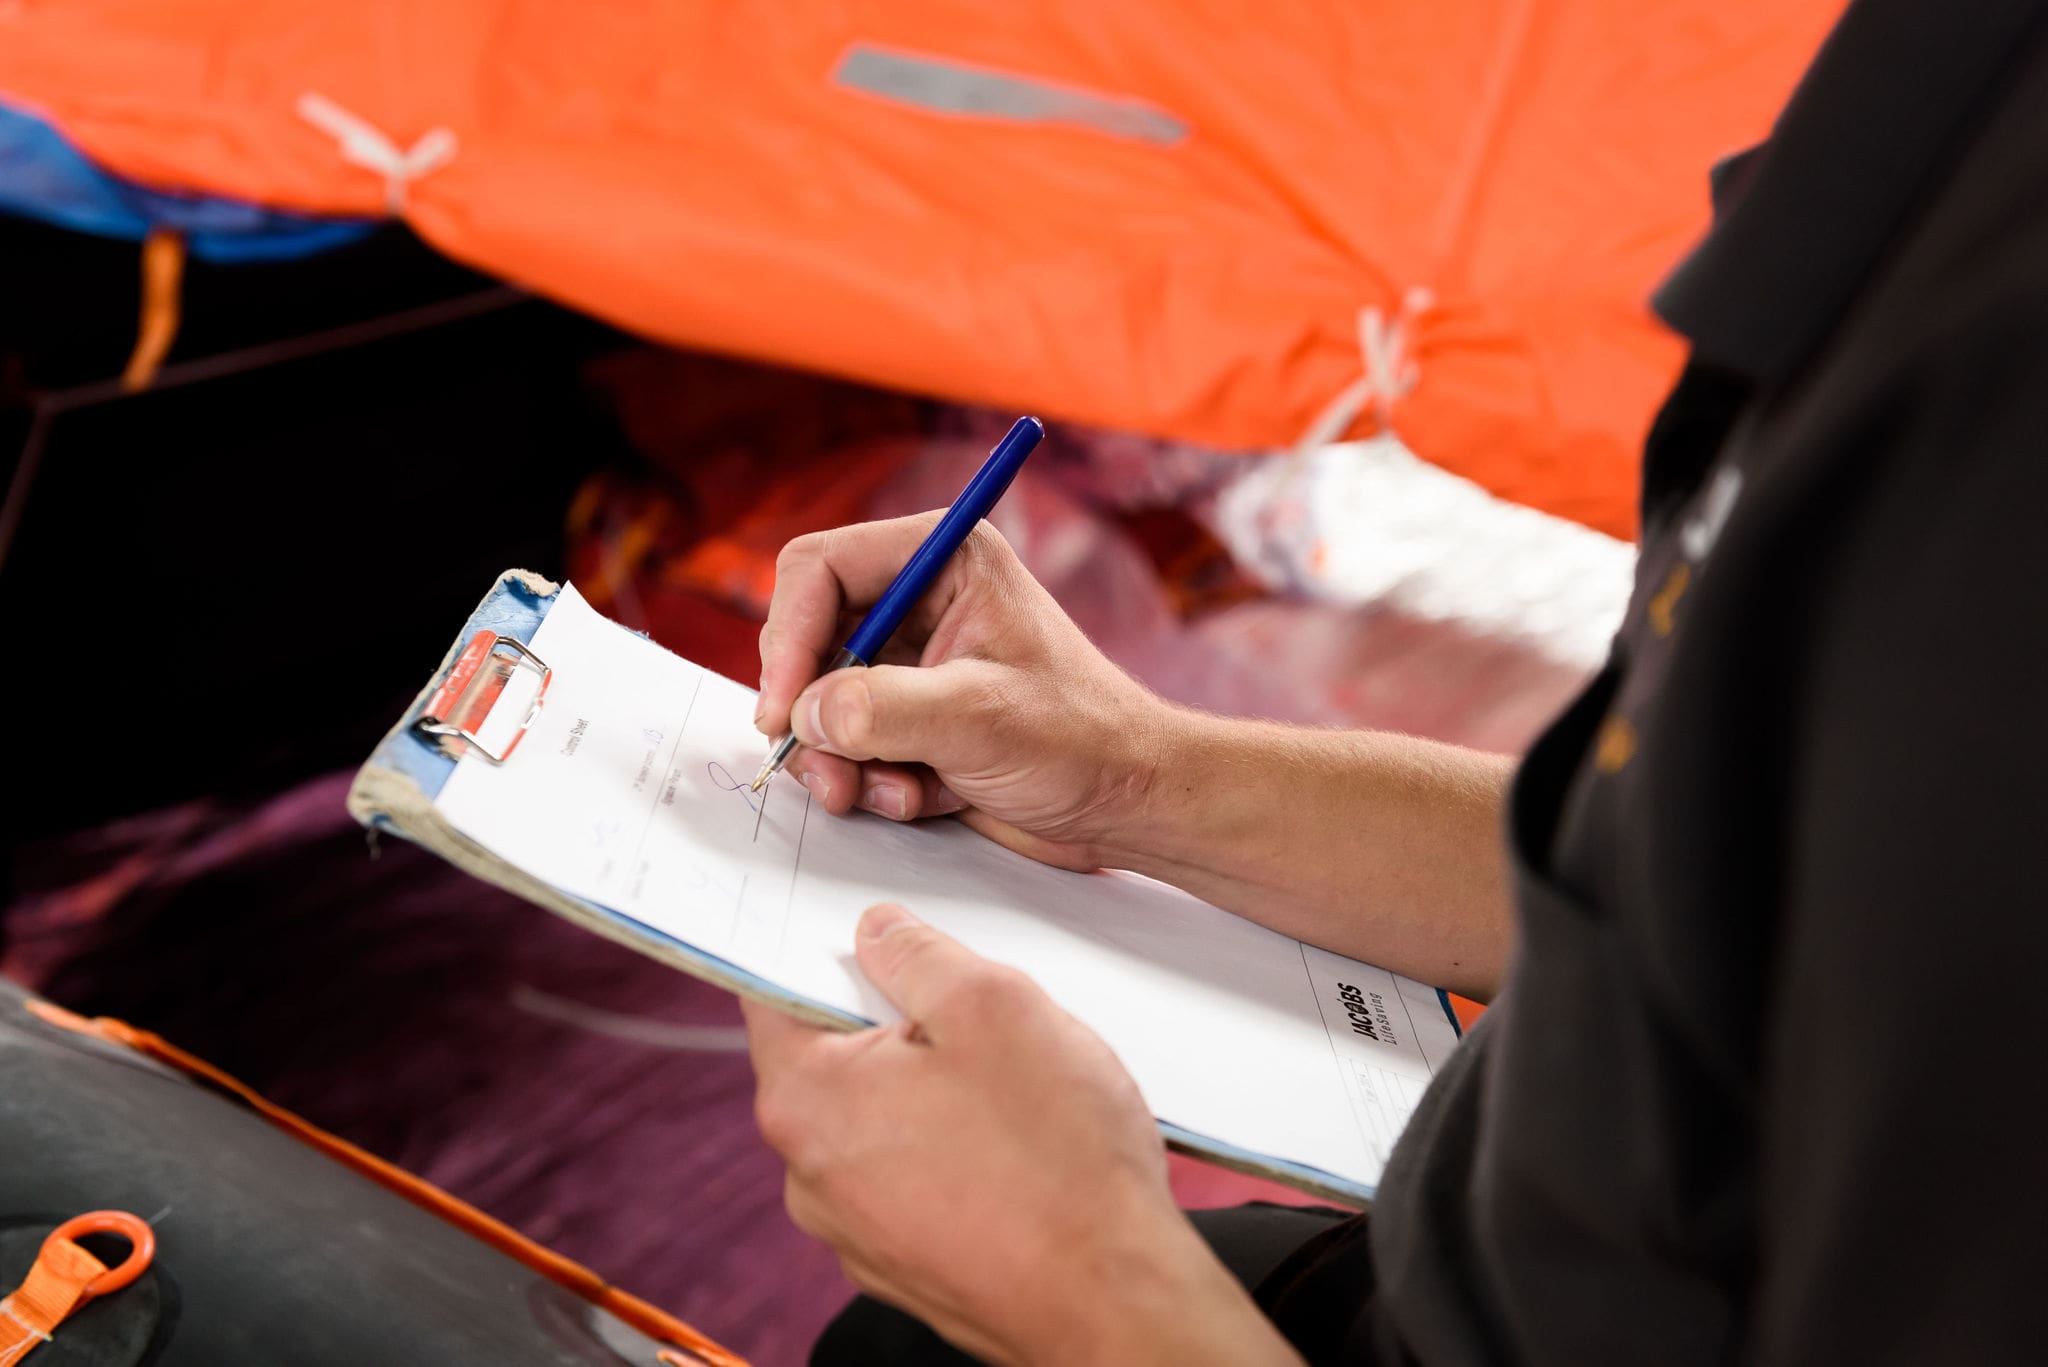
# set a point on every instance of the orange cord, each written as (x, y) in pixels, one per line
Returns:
(163, 273)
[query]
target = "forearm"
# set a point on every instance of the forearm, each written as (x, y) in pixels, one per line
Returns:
(1381, 847)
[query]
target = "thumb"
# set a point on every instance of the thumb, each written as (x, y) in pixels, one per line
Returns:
(937, 716)
(920, 970)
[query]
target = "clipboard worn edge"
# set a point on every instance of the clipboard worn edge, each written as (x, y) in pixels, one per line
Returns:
(388, 794)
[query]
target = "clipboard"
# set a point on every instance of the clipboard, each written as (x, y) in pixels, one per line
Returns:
(394, 791)
(457, 712)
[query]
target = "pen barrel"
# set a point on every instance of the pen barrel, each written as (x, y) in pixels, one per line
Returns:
(779, 756)
(929, 560)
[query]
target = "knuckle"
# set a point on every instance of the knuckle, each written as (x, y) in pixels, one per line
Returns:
(803, 1160)
(957, 1004)
(1003, 992)
(987, 545)
(770, 1116)
(801, 1155)
(983, 995)
(781, 1123)
(803, 1209)
(801, 550)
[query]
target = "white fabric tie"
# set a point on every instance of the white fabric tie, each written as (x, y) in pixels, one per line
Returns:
(363, 144)
(1390, 371)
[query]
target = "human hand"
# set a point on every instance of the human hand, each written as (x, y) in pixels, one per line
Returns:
(989, 702)
(988, 1166)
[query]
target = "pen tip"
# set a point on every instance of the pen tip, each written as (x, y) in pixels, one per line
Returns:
(759, 779)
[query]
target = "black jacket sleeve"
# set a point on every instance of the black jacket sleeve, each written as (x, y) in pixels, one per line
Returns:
(1904, 1162)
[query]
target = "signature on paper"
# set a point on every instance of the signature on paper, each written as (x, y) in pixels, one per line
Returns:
(721, 777)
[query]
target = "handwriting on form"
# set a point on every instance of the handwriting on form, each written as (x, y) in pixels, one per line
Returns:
(721, 777)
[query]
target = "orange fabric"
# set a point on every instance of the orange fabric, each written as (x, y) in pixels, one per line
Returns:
(646, 1318)
(54, 1287)
(1466, 1010)
(695, 173)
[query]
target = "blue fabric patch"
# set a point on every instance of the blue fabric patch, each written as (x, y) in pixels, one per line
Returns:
(44, 177)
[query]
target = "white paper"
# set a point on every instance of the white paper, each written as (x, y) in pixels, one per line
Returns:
(629, 792)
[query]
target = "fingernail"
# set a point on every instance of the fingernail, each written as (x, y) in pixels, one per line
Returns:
(945, 801)
(760, 711)
(816, 785)
(813, 708)
(883, 920)
(886, 799)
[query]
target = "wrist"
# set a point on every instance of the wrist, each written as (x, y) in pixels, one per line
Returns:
(1148, 1290)
(1154, 741)
(1199, 801)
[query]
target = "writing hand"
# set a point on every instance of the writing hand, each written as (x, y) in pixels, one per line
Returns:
(990, 703)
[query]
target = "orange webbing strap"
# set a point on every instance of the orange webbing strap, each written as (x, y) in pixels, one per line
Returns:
(654, 1323)
(54, 1288)
(65, 1277)
(163, 272)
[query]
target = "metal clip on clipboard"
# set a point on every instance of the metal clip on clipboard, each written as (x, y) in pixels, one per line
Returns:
(456, 713)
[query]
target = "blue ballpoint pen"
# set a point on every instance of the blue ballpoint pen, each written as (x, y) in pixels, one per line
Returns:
(975, 501)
